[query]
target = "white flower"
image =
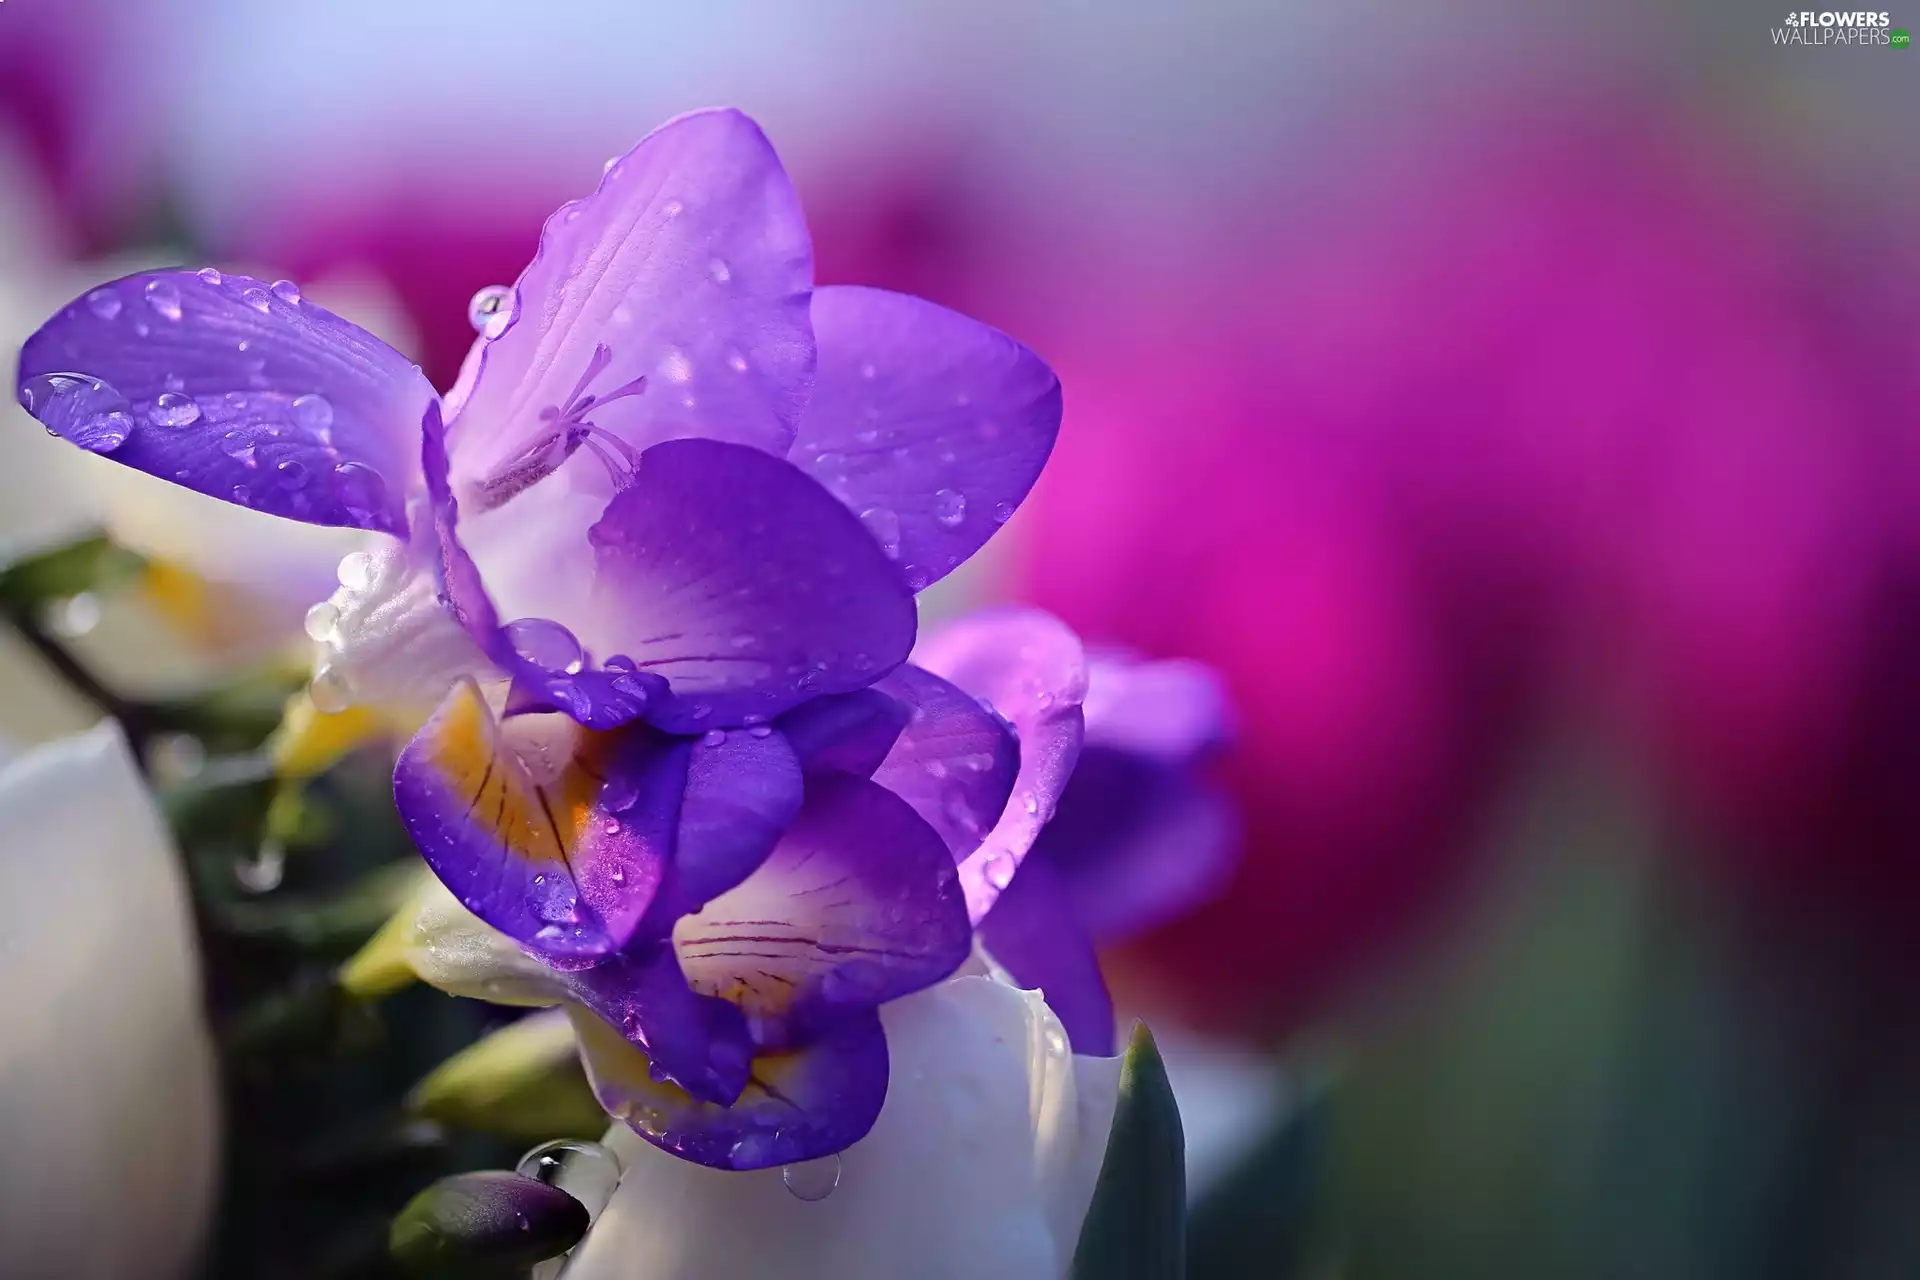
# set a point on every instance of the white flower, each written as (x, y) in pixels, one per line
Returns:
(108, 1116)
(980, 1167)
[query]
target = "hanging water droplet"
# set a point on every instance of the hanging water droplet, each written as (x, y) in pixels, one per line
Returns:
(313, 413)
(884, 525)
(209, 275)
(586, 1171)
(287, 291)
(173, 410)
(258, 299)
(175, 758)
(80, 409)
(545, 644)
(363, 492)
(355, 571)
(164, 297)
(949, 507)
(104, 303)
(491, 310)
(74, 616)
(263, 872)
(999, 870)
(330, 691)
(322, 622)
(813, 1180)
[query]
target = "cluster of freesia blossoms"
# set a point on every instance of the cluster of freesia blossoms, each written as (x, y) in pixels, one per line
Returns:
(644, 593)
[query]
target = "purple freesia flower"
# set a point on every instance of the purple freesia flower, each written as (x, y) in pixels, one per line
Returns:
(636, 573)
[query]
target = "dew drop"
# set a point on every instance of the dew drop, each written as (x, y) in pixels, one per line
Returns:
(586, 1171)
(322, 622)
(104, 303)
(949, 507)
(355, 571)
(173, 410)
(884, 525)
(363, 492)
(612, 828)
(242, 494)
(294, 470)
(761, 730)
(675, 367)
(287, 291)
(164, 298)
(259, 299)
(491, 310)
(238, 446)
(737, 361)
(917, 577)
(868, 372)
(83, 410)
(263, 872)
(999, 870)
(1002, 512)
(209, 275)
(545, 644)
(713, 737)
(330, 691)
(812, 1180)
(312, 412)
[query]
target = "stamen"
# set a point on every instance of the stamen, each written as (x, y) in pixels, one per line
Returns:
(551, 451)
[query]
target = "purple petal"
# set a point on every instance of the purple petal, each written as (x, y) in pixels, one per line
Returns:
(1137, 842)
(1034, 935)
(744, 584)
(1032, 670)
(692, 268)
(696, 1044)
(858, 904)
(1174, 710)
(796, 1106)
(845, 732)
(931, 425)
(743, 790)
(240, 390)
(954, 763)
(565, 865)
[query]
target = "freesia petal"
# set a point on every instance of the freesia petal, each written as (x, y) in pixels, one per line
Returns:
(565, 864)
(694, 1042)
(932, 425)
(454, 950)
(743, 584)
(1175, 709)
(859, 903)
(1031, 668)
(954, 763)
(939, 1190)
(691, 264)
(1034, 935)
(1137, 842)
(242, 391)
(743, 789)
(108, 1095)
(796, 1106)
(845, 732)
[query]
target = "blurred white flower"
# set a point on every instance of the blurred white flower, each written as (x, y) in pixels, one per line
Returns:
(108, 1111)
(981, 1165)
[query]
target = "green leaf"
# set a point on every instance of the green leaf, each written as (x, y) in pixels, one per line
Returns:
(91, 564)
(1137, 1224)
(491, 1223)
(524, 1081)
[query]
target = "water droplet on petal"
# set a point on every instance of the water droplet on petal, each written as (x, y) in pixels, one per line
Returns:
(83, 410)
(720, 271)
(675, 367)
(868, 372)
(949, 507)
(737, 361)
(1002, 512)
(917, 577)
(355, 570)
(761, 730)
(363, 492)
(323, 622)
(491, 310)
(813, 1180)
(313, 413)
(242, 494)
(293, 471)
(330, 691)
(545, 644)
(258, 299)
(164, 297)
(287, 291)
(173, 410)
(237, 445)
(884, 525)
(999, 870)
(104, 303)
(713, 737)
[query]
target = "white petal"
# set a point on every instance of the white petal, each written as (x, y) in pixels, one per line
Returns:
(980, 1166)
(107, 1098)
(453, 950)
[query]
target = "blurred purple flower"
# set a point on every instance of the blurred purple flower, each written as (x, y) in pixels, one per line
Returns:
(653, 504)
